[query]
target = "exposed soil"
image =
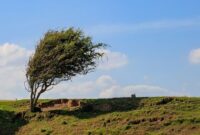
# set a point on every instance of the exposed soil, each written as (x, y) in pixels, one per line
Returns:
(60, 104)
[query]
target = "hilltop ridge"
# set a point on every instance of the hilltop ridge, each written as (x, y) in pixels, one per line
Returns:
(117, 116)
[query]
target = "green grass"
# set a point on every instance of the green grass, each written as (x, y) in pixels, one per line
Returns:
(141, 116)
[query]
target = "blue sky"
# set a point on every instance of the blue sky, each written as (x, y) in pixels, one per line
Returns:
(158, 40)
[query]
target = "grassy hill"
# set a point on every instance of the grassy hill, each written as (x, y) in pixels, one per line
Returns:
(125, 116)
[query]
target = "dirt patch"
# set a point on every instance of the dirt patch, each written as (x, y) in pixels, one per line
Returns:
(60, 104)
(71, 104)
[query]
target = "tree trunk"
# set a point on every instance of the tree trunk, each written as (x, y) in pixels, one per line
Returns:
(32, 107)
(33, 101)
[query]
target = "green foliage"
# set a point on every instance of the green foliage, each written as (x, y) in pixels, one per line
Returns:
(59, 56)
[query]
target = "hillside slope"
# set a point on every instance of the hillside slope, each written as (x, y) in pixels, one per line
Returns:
(122, 116)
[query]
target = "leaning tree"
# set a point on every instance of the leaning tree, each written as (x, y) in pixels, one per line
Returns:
(59, 56)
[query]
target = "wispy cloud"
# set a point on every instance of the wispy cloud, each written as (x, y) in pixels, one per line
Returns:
(194, 56)
(13, 59)
(143, 26)
(112, 60)
(13, 55)
(106, 87)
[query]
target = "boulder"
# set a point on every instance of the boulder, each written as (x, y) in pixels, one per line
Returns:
(72, 103)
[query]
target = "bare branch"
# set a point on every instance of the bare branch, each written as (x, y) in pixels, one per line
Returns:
(27, 88)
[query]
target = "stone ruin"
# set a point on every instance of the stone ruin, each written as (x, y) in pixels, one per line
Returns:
(133, 96)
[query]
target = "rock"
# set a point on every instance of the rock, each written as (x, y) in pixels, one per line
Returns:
(64, 101)
(72, 103)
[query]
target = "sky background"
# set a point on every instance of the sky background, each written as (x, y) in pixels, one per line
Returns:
(154, 46)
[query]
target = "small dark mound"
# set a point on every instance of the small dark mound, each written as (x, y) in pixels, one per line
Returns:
(165, 100)
(87, 108)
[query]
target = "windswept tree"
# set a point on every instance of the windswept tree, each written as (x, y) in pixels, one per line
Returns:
(59, 56)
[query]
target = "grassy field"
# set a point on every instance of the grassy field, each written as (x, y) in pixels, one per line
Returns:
(128, 116)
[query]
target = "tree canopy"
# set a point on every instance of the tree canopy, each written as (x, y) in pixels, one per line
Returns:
(59, 56)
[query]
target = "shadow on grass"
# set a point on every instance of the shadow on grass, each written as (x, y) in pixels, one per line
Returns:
(93, 107)
(9, 123)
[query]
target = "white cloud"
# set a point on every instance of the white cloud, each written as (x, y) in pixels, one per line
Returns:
(72, 90)
(13, 55)
(112, 91)
(143, 26)
(13, 59)
(106, 87)
(105, 81)
(140, 90)
(112, 60)
(194, 56)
